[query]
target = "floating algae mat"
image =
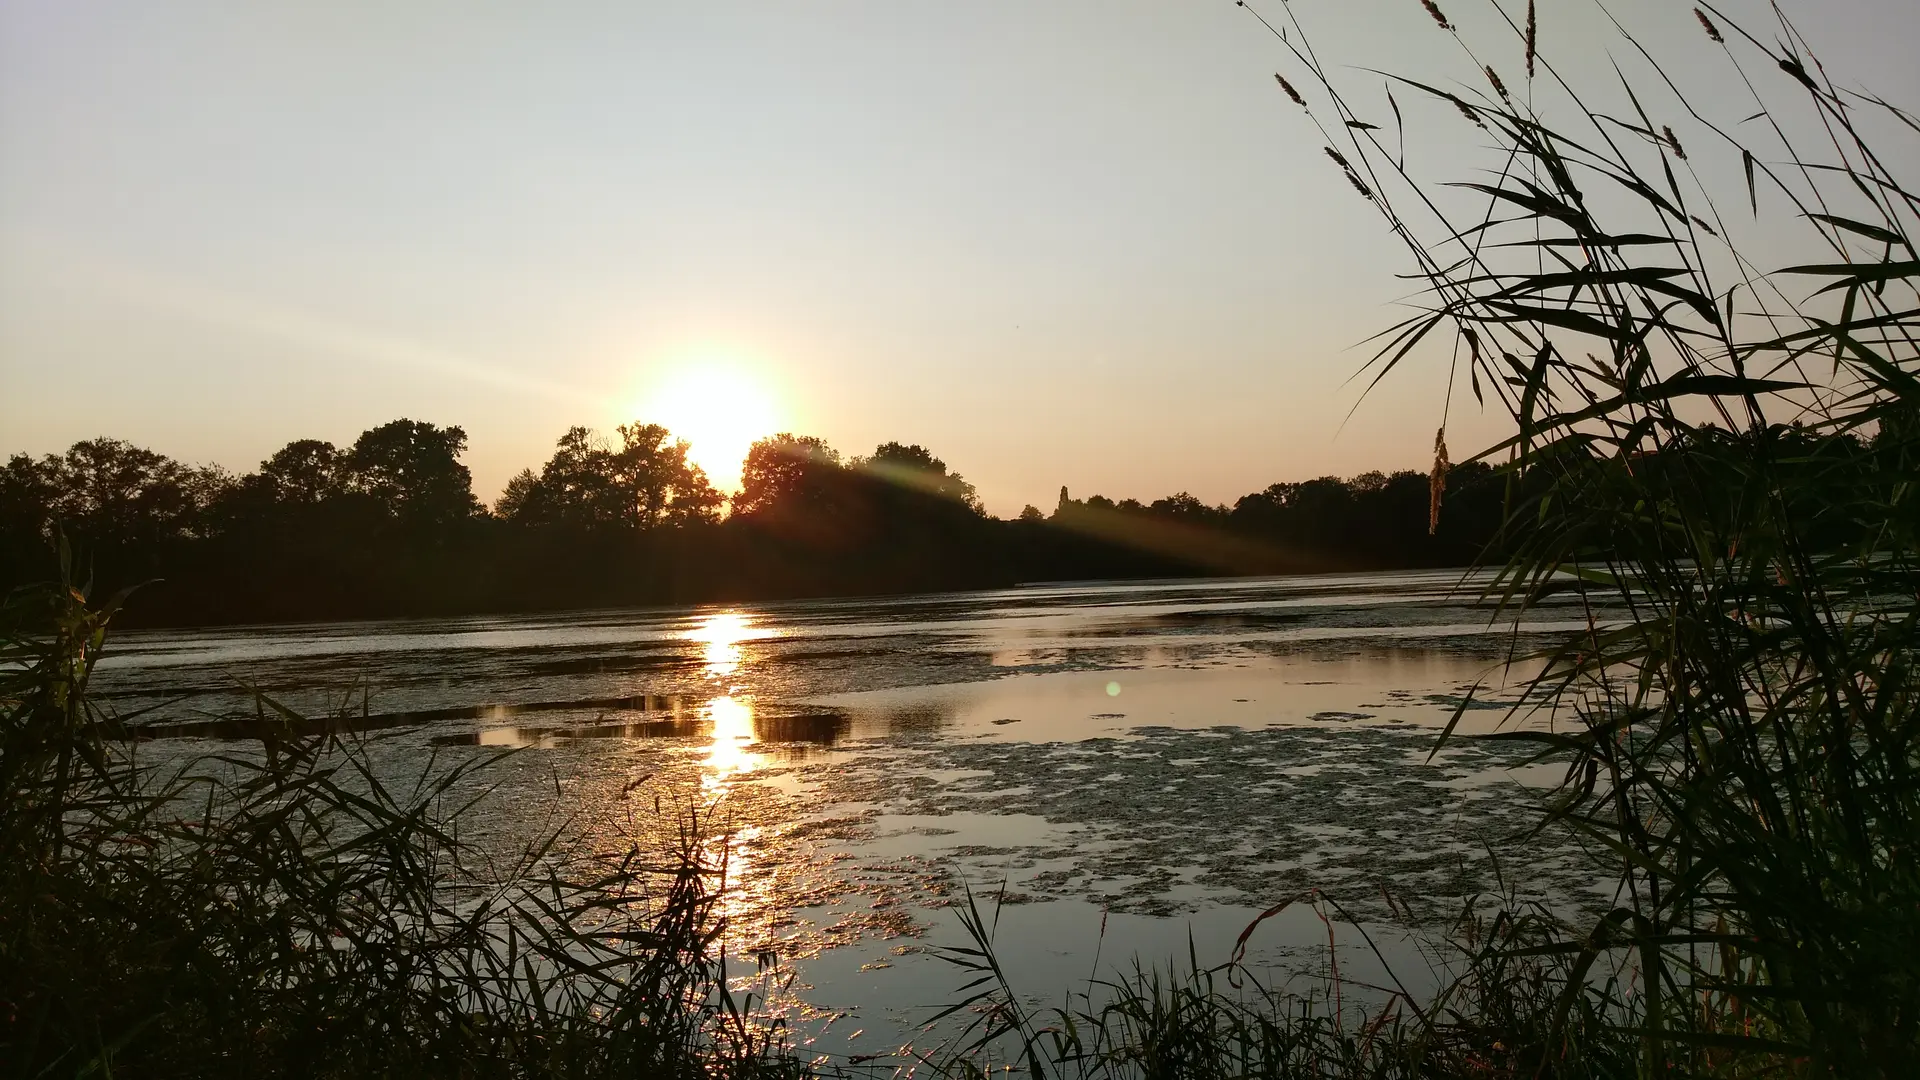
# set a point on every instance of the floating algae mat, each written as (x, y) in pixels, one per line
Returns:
(1164, 822)
(1119, 769)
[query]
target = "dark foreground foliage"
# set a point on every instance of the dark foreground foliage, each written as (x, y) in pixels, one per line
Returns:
(287, 913)
(280, 910)
(1728, 453)
(1709, 342)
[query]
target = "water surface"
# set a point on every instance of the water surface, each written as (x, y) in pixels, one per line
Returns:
(1116, 766)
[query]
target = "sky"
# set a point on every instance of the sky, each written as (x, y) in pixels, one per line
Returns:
(1058, 242)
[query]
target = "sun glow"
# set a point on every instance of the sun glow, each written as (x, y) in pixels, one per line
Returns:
(719, 409)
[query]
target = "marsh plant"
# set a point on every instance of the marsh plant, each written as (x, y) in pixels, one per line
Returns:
(1717, 435)
(281, 909)
(1706, 332)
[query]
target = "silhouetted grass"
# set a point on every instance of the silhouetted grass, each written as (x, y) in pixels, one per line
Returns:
(297, 911)
(1727, 452)
(292, 913)
(1725, 446)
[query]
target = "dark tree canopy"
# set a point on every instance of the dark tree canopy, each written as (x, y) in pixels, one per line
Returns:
(785, 471)
(412, 469)
(389, 526)
(915, 466)
(642, 482)
(576, 487)
(306, 472)
(661, 486)
(113, 491)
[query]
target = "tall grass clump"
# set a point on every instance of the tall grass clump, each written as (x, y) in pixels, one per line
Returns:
(287, 912)
(1502, 1015)
(1706, 332)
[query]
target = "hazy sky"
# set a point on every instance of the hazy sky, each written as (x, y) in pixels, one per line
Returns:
(1082, 243)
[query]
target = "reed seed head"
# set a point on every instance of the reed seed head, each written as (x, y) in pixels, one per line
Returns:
(1468, 111)
(1291, 92)
(1498, 86)
(1674, 142)
(1437, 480)
(1338, 159)
(1359, 186)
(1713, 31)
(1532, 38)
(1440, 17)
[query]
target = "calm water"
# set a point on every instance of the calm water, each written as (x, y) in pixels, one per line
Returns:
(1119, 766)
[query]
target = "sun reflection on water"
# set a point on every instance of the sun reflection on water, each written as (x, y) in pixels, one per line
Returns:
(730, 754)
(721, 633)
(747, 881)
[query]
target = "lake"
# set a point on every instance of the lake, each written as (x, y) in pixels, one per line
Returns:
(1120, 769)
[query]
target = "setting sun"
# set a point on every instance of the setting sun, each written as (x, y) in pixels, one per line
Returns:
(719, 409)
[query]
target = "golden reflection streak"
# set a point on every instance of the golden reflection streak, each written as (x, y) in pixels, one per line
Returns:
(721, 633)
(729, 755)
(746, 888)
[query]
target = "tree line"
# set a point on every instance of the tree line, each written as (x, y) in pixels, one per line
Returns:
(390, 526)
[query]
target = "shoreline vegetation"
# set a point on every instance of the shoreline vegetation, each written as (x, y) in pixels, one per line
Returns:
(389, 527)
(1724, 444)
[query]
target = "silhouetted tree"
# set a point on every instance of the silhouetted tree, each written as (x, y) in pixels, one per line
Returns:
(914, 466)
(661, 486)
(512, 505)
(577, 487)
(644, 482)
(1185, 507)
(116, 493)
(306, 472)
(28, 492)
(388, 527)
(413, 470)
(785, 471)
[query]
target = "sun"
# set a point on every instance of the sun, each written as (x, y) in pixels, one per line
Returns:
(719, 409)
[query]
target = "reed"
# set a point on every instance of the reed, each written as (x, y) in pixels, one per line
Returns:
(291, 913)
(1500, 1016)
(1726, 452)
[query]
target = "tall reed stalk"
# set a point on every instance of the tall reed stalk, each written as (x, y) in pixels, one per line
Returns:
(292, 913)
(1722, 444)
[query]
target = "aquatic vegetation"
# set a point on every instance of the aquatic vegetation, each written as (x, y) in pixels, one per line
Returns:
(1727, 452)
(290, 910)
(308, 900)
(1235, 816)
(1712, 469)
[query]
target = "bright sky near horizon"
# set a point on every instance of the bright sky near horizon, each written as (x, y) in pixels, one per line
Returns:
(1080, 242)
